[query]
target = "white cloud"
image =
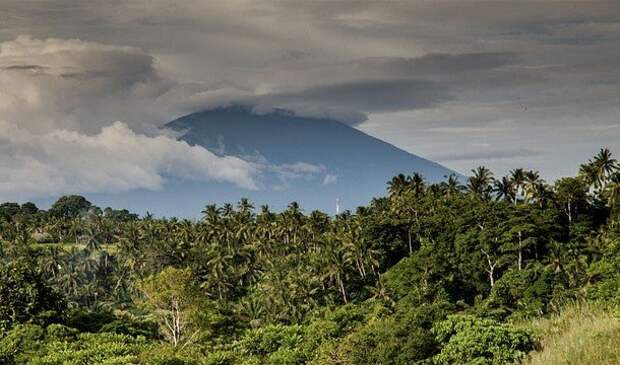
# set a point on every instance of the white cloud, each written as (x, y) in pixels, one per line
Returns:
(116, 159)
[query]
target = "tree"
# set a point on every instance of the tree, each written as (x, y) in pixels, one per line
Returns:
(517, 176)
(26, 297)
(470, 340)
(173, 297)
(9, 210)
(531, 185)
(29, 208)
(397, 185)
(612, 190)
(452, 186)
(572, 195)
(605, 165)
(479, 184)
(521, 234)
(416, 184)
(69, 206)
(504, 189)
(596, 172)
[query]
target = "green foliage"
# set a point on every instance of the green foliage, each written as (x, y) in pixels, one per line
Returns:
(527, 293)
(26, 297)
(402, 338)
(90, 348)
(174, 298)
(271, 338)
(220, 358)
(69, 206)
(18, 344)
(89, 321)
(430, 274)
(465, 339)
(165, 354)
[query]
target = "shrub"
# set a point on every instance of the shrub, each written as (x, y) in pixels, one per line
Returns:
(91, 348)
(467, 339)
(525, 293)
(402, 338)
(17, 345)
(271, 338)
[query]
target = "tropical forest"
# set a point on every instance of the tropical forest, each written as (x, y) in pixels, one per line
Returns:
(478, 270)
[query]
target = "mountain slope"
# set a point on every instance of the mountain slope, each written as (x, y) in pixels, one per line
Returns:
(283, 138)
(311, 161)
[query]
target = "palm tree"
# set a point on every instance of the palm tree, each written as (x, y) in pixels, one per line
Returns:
(480, 182)
(53, 261)
(532, 180)
(217, 272)
(211, 213)
(245, 207)
(589, 174)
(518, 178)
(452, 186)
(227, 210)
(596, 172)
(504, 189)
(416, 183)
(605, 165)
(397, 185)
(540, 193)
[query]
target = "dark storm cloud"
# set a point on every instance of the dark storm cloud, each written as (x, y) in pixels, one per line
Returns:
(23, 68)
(545, 68)
(378, 96)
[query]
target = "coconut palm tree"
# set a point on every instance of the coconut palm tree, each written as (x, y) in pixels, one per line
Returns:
(452, 186)
(416, 184)
(532, 180)
(397, 185)
(504, 189)
(211, 213)
(518, 179)
(605, 165)
(589, 174)
(541, 193)
(479, 184)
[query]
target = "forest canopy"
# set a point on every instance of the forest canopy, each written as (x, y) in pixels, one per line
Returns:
(468, 272)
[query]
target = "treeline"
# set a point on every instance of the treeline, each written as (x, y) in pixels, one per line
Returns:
(437, 273)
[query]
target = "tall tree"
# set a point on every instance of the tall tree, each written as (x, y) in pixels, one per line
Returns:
(480, 183)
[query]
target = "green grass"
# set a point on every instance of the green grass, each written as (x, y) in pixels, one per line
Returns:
(580, 335)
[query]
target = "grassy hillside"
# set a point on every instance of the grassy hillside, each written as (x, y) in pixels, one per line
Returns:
(581, 334)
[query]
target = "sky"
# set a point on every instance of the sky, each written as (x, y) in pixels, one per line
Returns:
(85, 85)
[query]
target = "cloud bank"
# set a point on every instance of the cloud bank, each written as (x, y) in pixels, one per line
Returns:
(412, 73)
(114, 160)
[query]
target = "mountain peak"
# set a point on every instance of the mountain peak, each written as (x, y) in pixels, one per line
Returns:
(325, 159)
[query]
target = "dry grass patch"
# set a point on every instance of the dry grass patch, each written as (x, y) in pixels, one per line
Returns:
(580, 335)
